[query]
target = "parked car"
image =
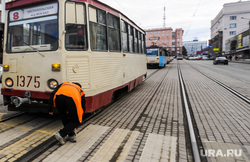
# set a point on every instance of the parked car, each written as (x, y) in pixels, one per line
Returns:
(220, 60)
(204, 58)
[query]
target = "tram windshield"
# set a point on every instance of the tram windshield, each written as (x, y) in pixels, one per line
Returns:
(33, 29)
(152, 52)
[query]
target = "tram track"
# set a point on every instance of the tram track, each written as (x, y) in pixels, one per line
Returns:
(32, 154)
(49, 143)
(151, 74)
(197, 143)
(193, 132)
(235, 92)
(8, 117)
(222, 73)
(139, 118)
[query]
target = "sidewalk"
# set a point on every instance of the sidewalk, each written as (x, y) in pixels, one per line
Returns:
(244, 61)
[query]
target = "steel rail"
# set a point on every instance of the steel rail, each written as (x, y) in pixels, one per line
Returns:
(3, 119)
(37, 151)
(190, 124)
(224, 86)
(151, 75)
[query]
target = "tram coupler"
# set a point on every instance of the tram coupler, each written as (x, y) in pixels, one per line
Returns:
(18, 101)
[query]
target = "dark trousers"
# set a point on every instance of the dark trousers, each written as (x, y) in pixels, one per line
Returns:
(67, 109)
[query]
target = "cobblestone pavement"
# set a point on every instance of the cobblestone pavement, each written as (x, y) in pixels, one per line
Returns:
(145, 125)
(221, 117)
(235, 75)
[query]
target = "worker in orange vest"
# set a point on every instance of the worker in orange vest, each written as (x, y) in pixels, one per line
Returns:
(69, 99)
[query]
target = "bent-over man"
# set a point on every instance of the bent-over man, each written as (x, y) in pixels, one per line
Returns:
(69, 99)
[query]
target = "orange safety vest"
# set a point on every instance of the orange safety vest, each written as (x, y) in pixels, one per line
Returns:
(74, 91)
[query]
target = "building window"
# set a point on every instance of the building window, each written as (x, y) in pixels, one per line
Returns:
(233, 17)
(233, 25)
(232, 33)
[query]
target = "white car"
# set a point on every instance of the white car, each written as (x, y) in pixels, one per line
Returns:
(204, 58)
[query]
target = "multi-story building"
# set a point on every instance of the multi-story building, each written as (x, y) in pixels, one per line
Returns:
(165, 37)
(233, 19)
(194, 46)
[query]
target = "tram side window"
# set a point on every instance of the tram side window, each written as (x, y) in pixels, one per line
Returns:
(98, 29)
(76, 29)
(143, 43)
(124, 36)
(135, 41)
(114, 40)
(76, 37)
(131, 39)
(164, 53)
(139, 43)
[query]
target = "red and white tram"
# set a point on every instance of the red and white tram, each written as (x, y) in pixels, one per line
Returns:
(48, 42)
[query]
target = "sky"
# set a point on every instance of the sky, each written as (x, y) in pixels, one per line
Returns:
(193, 16)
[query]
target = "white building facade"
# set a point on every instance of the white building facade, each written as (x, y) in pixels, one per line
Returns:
(194, 46)
(233, 19)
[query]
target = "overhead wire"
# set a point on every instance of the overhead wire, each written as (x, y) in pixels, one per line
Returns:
(194, 14)
(122, 5)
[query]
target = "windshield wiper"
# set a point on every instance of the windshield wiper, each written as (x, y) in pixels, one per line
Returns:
(33, 48)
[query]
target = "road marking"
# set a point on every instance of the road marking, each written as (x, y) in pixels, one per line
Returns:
(73, 151)
(159, 148)
(109, 148)
(128, 146)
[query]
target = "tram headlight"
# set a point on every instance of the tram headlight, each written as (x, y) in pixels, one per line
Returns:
(52, 84)
(9, 82)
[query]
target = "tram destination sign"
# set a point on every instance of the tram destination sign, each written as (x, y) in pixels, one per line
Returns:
(33, 12)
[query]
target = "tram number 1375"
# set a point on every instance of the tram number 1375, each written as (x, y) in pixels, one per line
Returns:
(26, 81)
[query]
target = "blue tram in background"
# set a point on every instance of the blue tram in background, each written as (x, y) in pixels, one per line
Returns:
(158, 57)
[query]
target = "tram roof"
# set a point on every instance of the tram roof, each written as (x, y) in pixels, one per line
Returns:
(96, 3)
